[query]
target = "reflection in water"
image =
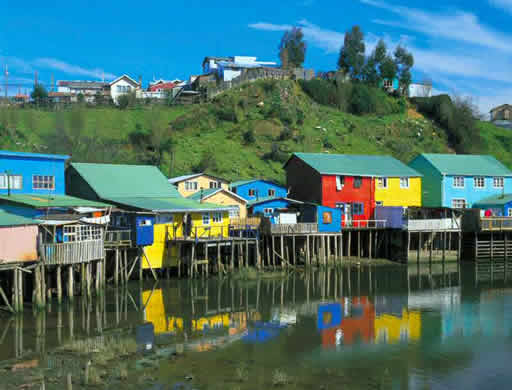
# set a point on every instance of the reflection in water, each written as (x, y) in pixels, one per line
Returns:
(387, 327)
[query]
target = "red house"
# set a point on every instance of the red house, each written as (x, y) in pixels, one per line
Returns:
(341, 180)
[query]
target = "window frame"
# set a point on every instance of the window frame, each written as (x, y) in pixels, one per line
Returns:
(455, 182)
(190, 185)
(8, 179)
(459, 200)
(271, 192)
(359, 205)
(216, 217)
(52, 177)
(476, 180)
(407, 179)
(509, 212)
(382, 183)
(498, 179)
(340, 182)
(267, 212)
(358, 182)
(206, 221)
(251, 192)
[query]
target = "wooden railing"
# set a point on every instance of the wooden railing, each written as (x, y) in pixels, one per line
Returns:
(496, 223)
(441, 224)
(366, 224)
(243, 222)
(118, 237)
(72, 252)
(294, 228)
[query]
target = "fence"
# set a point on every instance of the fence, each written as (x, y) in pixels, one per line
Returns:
(441, 224)
(118, 237)
(496, 223)
(294, 228)
(366, 224)
(72, 252)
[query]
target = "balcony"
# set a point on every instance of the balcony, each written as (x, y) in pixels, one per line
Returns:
(115, 238)
(72, 252)
(498, 224)
(433, 225)
(294, 228)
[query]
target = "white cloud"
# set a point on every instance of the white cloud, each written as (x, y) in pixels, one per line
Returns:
(456, 25)
(504, 4)
(52, 63)
(329, 40)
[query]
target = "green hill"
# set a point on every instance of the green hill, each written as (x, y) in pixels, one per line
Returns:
(246, 132)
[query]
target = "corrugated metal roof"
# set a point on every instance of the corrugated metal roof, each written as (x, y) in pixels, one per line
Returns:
(113, 181)
(169, 205)
(177, 179)
(242, 182)
(272, 198)
(8, 219)
(495, 200)
(43, 201)
(8, 153)
(203, 193)
(357, 165)
(467, 164)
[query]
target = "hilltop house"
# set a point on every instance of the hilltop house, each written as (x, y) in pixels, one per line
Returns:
(460, 181)
(123, 85)
(67, 90)
(502, 116)
(354, 183)
(224, 197)
(143, 188)
(228, 68)
(255, 189)
(190, 184)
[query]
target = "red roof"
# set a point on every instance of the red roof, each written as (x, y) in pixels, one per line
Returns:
(161, 86)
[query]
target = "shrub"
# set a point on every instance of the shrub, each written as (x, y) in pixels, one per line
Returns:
(362, 101)
(249, 137)
(276, 154)
(286, 134)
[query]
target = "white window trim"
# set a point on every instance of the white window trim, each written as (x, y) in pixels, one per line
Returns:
(268, 211)
(208, 221)
(382, 183)
(43, 189)
(459, 199)
(271, 192)
(11, 180)
(509, 212)
(455, 182)
(498, 178)
(340, 182)
(251, 190)
(407, 181)
(475, 179)
(216, 217)
(191, 185)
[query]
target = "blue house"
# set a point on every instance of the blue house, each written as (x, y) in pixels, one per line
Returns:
(31, 173)
(258, 189)
(461, 181)
(500, 205)
(270, 207)
(389, 85)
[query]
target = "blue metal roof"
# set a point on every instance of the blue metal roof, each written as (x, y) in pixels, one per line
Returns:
(8, 153)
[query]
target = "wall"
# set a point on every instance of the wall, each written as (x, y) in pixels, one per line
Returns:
(202, 182)
(158, 253)
(349, 194)
(273, 204)
(18, 243)
(394, 195)
(224, 199)
(392, 329)
(334, 226)
(304, 183)
(431, 182)
(28, 166)
(261, 187)
(420, 90)
(470, 193)
(123, 82)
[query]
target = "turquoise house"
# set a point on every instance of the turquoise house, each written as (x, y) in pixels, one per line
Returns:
(389, 85)
(500, 205)
(461, 180)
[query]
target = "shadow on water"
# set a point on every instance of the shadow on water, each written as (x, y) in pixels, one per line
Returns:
(356, 327)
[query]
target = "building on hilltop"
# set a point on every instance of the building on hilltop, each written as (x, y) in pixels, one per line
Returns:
(501, 116)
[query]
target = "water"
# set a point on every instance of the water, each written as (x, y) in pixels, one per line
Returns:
(355, 328)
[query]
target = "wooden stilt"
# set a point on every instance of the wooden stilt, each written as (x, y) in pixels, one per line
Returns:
(328, 248)
(418, 254)
(59, 285)
(218, 258)
(125, 265)
(281, 239)
(359, 244)
(408, 246)
(258, 256)
(336, 252)
(116, 271)
(443, 235)
(268, 251)
(70, 282)
(370, 244)
(308, 254)
(192, 261)
(15, 294)
(247, 253)
(273, 251)
(349, 244)
(98, 276)
(232, 262)
(431, 244)
(294, 251)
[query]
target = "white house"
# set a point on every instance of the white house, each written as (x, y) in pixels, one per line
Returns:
(123, 85)
(420, 90)
(228, 68)
(89, 89)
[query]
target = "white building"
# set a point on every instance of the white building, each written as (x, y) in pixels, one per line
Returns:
(420, 90)
(228, 68)
(123, 85)
(89, 89)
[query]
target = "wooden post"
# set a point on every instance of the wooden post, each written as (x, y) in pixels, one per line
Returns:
(430, 248)
(370, 245)
(492, 247)
(98, 276)
(408, 246)
(268, 251)
(88, 267)
(246, 252)
(15, 294)
(282, 250)
(258, 257)
(341, 247)
(459, 247)
(336, 252)
(444, 246)
(59, 285)
(273, 251)
(70, 282)
(419, 248)
(308, 254)
(294, 251)
(232, 264)
(206, 266)
(359, 244)
(218, 258)
(328, 247)
(125, 265)
(192, 261)
(116, 271)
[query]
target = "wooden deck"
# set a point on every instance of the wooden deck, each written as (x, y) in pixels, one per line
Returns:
(72, 252)
(434, 225)
(498, 224)
(116, 238)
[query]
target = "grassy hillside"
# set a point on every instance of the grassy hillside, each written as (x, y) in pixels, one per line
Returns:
(246, 132)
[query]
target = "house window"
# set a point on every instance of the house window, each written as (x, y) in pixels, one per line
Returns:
(234, 212)
(271, 192)
(509, 212)
(191, 186)
(15, 182)
(252, 192)
(458, 182)
(498, 182)
(268, 211)
(164, 218)
(341, 206)
(43, 182)
(72, 233)
(404, 182)
(214, 184)
(340, 182)
(458, 203)
(358, 181)
(387, 83)
(382, 182)
(327, 217)
(357, 209)
(479, 182)
(217, 217)
(206, 218)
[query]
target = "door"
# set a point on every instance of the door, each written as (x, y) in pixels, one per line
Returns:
(348, 214)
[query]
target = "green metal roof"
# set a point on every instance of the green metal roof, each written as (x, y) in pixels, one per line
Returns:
(116, 180)
(271, 198)
(8, 219)
(203, 193)
(497, 200)
(242, 182)
(43, 201)
(467, 164)
(356, 165)
(169, 205)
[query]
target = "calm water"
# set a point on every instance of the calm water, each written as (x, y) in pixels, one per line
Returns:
(357, 328)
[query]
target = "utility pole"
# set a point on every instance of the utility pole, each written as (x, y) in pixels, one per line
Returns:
(53, 82)
(6, 74)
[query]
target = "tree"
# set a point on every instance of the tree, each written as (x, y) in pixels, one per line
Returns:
(388, 68)
(351, 59)
(99, 98)
(39, 94)
(404, 61)
(80, 97)
(292, 49)
(369, 72)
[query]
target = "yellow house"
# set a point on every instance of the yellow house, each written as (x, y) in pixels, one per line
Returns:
(223, 197)
(398, 191)
(190, 184)
(391, 329)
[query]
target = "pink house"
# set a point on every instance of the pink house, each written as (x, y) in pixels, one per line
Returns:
(18, 238)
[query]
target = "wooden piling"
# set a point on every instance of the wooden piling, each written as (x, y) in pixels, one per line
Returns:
(116, 271)
(349, 244)
(59, 284)
(281, 239)
(370, 245)
(70, 282)
(294, 251)
(308, 254)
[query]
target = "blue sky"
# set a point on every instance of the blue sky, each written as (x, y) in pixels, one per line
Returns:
(465, 47)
